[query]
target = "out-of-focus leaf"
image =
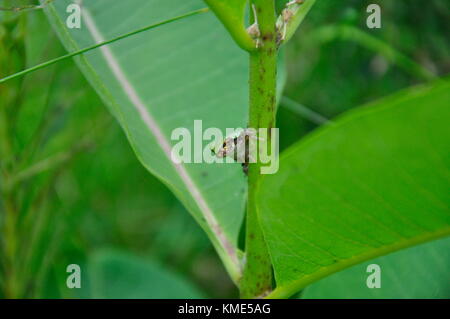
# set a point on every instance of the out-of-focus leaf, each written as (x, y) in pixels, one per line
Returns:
(374, 182)
(115, 275)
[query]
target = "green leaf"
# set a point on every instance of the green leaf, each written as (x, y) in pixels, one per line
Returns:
(232, 14)
(117, 275)
(375, 182)
(299, 13)
(416, 272)
(164, 79)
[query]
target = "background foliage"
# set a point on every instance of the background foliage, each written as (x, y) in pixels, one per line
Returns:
(91, 202)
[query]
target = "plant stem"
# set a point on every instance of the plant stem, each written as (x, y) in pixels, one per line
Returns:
(257, 277)
(8, 246)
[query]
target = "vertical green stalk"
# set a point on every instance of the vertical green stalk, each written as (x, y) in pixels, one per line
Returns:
(257, 277)
(12, 56)
(8, 246)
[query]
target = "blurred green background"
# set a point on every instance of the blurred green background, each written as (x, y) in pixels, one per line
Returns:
(72, 191)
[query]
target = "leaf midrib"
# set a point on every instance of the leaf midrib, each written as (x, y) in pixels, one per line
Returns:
(227, 249)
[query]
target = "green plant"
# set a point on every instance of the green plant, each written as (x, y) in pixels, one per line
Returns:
(353, 190)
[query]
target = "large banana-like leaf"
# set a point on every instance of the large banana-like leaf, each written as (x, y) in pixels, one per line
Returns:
(164, 79)
(376, 181)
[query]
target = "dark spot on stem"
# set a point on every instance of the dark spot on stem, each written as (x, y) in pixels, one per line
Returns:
(267, 37)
